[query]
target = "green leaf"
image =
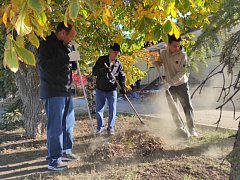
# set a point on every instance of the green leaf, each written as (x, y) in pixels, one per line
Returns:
(73, 9)
(165, 37)
(84, 13)
(25, 55)
(167, 27)
(40, 17)
(143, 24)
(36, 5)
(157, 32)
(20, 41)
(33, 39)
(10, 59)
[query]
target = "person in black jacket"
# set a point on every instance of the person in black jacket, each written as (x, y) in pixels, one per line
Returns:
(105, 68)
(55, 61)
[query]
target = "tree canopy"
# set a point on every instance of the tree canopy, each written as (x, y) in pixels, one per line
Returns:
(99, 23)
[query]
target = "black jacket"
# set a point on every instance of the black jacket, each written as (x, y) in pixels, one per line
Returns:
(104, 80)
(54, 69)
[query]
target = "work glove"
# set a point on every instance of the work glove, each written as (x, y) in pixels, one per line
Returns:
(157, 64)
(74, 56)
(123, 91)
(166, 86)
(74, 44)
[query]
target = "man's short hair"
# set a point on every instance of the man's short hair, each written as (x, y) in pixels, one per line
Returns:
(61, 27)
(173, 38)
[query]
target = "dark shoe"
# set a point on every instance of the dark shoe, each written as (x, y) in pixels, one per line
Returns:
(99, 132)
(111, 132)
(69, 157)
(59, 167)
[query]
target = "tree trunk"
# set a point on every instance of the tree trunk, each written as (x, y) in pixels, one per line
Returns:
(234, 157)
(33, 117)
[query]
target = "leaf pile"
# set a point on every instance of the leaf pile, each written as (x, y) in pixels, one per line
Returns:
(130, 143)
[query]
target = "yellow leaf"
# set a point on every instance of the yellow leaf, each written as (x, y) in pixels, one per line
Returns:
(66, 16)
(105, 19)
(16, 4)
(108, 2)
(6, 15)
(176, 30)
(97, 13)
(37, 28)
(20, 26)
(134, 35)
(109, 12)
(173, 12)
(118, 38)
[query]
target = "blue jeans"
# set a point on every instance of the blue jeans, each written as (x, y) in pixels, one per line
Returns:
(101, 97)
(61, 119)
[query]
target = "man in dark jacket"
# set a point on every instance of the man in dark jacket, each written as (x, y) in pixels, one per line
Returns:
(55, 64)
(105, 68)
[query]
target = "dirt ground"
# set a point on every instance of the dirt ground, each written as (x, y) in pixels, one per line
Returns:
(135, 152)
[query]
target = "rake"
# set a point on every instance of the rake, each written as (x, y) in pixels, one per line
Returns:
(175, 106)
(125, 96)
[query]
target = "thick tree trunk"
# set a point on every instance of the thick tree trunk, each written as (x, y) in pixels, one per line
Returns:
(235, 158)
(33, 117)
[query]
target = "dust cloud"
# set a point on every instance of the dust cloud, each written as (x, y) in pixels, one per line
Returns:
(162, 125)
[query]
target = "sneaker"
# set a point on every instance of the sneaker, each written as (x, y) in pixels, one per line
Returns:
(194, 133)
(69, 157)
(181, 132)
(111, 132)
(59, 167)
(99, 132)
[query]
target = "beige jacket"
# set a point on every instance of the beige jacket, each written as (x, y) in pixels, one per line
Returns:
(174, 66)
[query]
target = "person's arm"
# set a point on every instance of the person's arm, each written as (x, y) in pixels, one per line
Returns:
(49, 59)
(99, 68)
(181, 69)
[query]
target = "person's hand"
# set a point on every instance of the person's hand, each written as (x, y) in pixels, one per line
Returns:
(106, 70)
(74, 43)
(166, 86)
(74, 56)
(157, 63)
(123, 91)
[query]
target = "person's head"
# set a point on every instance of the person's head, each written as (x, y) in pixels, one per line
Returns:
(114, 51)
(65, 34)
(174, 44)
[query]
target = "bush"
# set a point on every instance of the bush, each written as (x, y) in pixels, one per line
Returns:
(12, 118)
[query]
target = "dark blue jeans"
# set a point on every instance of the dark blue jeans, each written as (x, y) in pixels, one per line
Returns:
(61, 118)
(181, 93)
(101, 97)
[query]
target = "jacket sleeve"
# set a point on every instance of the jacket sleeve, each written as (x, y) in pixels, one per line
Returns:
(181, 69)
(99, 68)
(49, 59)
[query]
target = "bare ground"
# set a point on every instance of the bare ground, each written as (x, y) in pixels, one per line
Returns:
(135, 152)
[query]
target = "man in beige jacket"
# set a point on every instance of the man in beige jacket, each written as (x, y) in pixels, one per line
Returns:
(176, 81)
